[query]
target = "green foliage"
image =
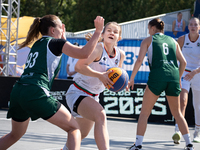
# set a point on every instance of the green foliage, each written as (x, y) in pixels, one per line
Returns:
(39, 8)
(79, 15)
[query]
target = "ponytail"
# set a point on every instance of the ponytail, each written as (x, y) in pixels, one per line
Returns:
(33, 33)
(39, 26)
(159, 24)
(88, 36)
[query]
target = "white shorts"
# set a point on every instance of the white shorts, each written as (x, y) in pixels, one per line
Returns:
(72, 95)
(194, 83)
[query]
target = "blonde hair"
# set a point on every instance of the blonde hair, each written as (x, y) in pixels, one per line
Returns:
(194, 18)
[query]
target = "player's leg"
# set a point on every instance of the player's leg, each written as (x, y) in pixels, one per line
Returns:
(184, 93)
(95, 113)
(196, 105)
(183, 104)
(85, 126)
(183, 100)
(18, 130)
(174, 105)
(63, 119)
(148, 102)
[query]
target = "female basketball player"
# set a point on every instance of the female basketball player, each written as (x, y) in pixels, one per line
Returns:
(163, 53)
(83, 96)
(190, 45)
(30, 96)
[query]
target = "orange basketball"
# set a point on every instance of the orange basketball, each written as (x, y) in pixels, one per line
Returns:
(120, 78)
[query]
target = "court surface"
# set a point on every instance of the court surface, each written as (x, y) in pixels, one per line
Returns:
(42, 135)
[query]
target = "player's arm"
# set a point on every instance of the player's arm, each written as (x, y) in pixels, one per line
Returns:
(67, 69)
(82, 53)
(143, 50)
(181, 41)
(181, 59)
(82, 66)
(122, 57)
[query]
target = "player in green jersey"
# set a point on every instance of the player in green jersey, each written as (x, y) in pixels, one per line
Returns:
(30, 97)
(163, 53)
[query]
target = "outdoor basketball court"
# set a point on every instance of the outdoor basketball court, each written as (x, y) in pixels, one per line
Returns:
(42, 135)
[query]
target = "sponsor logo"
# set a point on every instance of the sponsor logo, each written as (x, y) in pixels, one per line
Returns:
(115, 75)
(116, 61)
(104, 58)
(187, 46)
(101, 63)
(27, 75)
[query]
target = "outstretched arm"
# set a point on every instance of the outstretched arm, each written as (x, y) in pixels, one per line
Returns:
(143, 50)
(84, 52)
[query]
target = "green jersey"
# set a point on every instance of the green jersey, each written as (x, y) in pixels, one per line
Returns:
(41, 66)
(162, 59)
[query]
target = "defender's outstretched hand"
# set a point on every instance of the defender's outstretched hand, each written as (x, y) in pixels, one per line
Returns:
(99, 23)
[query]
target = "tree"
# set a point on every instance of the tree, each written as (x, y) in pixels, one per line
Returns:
(39, 8)
(79, 15)
(122, 10)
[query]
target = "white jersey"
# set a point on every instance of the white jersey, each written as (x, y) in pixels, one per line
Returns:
(191, 52)
(71, 62)
(93, 84)
(179, 25)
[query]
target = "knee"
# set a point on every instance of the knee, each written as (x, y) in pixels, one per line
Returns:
(73, 127)
(83, 135)
(177, 114)
(15, 136)
(100, 116)
(144, 115)
(183, 102)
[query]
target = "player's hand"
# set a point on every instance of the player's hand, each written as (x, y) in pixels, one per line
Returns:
(105, 79)
(99, 23)
(131, 84)
(189, 76)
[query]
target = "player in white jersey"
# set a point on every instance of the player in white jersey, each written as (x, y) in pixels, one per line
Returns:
(190, 45)
(83, 96)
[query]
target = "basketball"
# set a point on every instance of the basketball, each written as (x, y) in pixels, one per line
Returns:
(120, 78)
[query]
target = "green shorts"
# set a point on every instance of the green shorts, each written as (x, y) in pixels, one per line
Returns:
(170, 88)
(31, 101)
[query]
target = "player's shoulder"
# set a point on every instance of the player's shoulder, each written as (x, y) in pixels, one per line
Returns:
(147, 40)
(181, 39)
(99, 46)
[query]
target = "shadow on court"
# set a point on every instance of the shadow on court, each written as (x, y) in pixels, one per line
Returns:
(42, 135)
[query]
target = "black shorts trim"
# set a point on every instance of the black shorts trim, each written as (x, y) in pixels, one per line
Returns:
(18, 120)
(75, 107)
(58, 107)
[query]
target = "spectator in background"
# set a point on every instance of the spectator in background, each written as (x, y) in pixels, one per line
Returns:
(178, 25)
(197, 9)
(71, 62)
